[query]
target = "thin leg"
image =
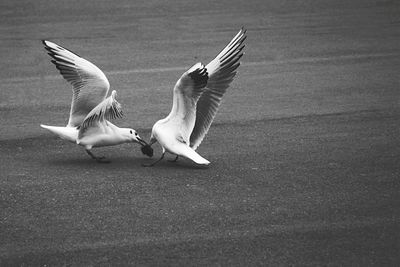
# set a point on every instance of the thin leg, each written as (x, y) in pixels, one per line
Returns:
(154, 163)
(174, 160)
(98, 159)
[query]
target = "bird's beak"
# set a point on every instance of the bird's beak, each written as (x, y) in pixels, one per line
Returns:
(141, 141)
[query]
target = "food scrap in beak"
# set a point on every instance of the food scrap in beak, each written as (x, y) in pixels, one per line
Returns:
(147, 150)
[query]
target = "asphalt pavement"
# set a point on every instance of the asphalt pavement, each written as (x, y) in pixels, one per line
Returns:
(304, 150)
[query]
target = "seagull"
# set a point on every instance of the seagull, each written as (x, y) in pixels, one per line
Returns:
(91, 109)
(196, 99)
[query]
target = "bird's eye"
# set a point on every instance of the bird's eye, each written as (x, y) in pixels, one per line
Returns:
(131, 131)
(136, 134)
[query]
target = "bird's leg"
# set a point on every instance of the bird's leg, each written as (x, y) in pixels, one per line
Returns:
(174, 160)
(154, 163)
(98, 159)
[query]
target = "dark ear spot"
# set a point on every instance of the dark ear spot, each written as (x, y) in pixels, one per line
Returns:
(131, 131)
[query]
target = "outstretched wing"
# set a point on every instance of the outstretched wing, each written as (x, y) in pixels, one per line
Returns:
(187, 91)
(90, 85)
(108, 109)
(221, 71)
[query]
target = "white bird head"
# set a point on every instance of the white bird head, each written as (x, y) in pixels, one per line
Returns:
(132, 136)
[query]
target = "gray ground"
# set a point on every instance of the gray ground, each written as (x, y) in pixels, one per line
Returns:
(305, 149)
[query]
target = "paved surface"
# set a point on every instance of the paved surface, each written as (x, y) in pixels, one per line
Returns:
(305, 149)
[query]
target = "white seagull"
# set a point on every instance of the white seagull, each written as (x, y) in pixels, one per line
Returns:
(88, 123)
(196, 98)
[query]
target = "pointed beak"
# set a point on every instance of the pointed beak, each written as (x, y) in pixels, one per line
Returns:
(141, 141)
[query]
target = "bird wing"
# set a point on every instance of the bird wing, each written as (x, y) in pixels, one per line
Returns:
(221, 71)
(108, 109)
(187, 90)
(89, 84)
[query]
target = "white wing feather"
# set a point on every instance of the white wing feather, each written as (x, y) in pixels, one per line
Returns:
(90, 85)
(186, 93)
(108, 109)
(221, 71)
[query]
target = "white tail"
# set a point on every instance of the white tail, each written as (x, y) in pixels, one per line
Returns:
(193, 155)
(67, 133)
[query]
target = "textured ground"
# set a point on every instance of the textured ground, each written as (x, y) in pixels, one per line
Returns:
(305, 149)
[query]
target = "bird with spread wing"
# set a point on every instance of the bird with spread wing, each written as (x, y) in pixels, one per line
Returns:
(91, 109)
(196, 99)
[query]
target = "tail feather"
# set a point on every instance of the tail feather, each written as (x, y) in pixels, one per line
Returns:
(193, 155)
(67, 133)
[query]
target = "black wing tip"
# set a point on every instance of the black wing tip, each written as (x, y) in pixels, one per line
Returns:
(45, 43)
(199, 75)
(243, 39)
(50, 51)
(243, 36)
(53, 51)
(47, 47)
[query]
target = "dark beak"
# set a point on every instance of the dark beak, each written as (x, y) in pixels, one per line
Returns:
(141, 141)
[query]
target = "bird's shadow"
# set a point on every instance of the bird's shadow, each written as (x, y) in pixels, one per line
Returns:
(111, 161)
(126, 162)
(181, 163)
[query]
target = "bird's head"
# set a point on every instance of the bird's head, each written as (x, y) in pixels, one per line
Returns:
(132, 136)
